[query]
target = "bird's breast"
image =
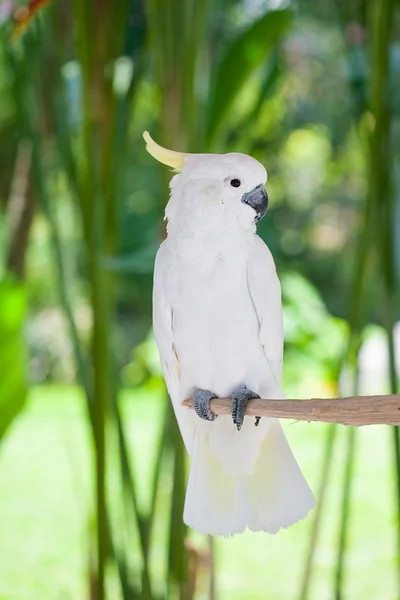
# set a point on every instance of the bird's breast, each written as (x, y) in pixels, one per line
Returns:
(216, 330)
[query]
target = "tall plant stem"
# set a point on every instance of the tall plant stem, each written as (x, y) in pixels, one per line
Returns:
(325, 473)
(93, 201)
(101, 392)
(378, 204)
(346, 497)
(381, 16)
(356, 319)
(98, 47)
(99, 230)
(345, 510)
(178, 556)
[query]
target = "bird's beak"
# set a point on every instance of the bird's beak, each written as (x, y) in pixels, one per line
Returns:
(258, 200)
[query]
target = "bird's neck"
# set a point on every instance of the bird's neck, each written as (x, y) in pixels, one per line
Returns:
(209, 242)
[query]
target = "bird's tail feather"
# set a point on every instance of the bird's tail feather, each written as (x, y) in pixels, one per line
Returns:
(274, 496)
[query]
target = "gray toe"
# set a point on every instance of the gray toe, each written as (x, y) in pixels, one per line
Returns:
(239, 404)
(201, 403)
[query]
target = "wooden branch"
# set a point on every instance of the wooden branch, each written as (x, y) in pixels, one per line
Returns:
(360, 410)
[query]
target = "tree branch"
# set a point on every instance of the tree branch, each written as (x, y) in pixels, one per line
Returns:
(360, 410)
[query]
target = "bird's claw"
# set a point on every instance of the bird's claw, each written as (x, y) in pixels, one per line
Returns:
(201, 404)
(239, 403)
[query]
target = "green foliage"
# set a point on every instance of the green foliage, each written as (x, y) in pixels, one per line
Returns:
(241, 59)
(13, 385)
(314, 340)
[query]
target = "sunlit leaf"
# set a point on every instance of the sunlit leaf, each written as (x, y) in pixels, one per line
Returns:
(245, 54)
(12, 352)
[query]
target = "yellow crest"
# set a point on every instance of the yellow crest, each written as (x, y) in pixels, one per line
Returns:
(163, 155)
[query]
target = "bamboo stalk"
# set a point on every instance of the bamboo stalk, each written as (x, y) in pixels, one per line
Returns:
(357, 411)
(20, 211)
(382, 151)
(348, 481)
(321, 497)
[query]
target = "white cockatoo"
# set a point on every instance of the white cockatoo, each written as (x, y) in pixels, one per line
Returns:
(217, 319)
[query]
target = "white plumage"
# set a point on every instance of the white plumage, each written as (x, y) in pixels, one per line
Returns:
(217, 320)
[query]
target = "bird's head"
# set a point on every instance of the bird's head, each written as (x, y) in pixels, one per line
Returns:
(213, 192)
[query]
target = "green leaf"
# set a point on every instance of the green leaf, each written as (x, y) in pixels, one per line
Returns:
(269, 76)
(245, 54)
(12, 352)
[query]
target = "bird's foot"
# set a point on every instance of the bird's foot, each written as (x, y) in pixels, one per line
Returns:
(201, 403)
(240, 399)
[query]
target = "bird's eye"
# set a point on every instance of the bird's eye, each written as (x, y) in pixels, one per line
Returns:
(235, 182)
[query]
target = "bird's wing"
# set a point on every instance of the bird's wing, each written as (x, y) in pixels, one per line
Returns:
(162, 326)
(265, 292)
(164, 337)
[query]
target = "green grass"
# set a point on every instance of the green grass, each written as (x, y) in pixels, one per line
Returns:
(45, 490)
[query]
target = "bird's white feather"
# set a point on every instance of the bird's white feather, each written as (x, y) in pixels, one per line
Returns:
(218, 326)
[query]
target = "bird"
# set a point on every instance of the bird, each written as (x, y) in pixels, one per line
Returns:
(218, 326)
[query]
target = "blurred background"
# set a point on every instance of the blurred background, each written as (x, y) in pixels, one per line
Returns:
(92, 467)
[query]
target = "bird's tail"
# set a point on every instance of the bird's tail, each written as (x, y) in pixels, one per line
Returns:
(273, 496)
